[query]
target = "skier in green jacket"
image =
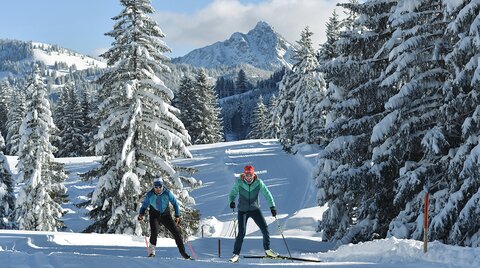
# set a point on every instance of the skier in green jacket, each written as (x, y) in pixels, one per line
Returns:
(247, 187)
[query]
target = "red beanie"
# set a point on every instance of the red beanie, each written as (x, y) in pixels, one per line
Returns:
(248, 170)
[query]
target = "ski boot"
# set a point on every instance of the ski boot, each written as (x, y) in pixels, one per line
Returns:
(234, 258)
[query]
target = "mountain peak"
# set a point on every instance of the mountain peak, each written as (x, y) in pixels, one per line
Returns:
(262, 25)
(261, 47)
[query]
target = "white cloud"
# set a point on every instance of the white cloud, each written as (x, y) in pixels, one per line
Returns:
(218, 20)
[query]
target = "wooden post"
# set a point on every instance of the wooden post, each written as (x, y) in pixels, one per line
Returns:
(425, 224)
(219, 248)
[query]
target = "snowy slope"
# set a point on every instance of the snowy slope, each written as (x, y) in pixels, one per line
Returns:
(287, 177)
(41, 52)
(261, 47)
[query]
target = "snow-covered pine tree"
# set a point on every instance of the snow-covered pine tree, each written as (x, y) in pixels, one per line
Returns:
(207, 123)
(285, 107)
(7, 198)
(456, 220)
(358, 197)
(309, 92)
(241, 83)
(71, 135)
(59, 117)
(139, 133)
(38, 205)
(88, 127)
(411, 139)
(16, 113)
(4, 106)
(273, 128)
(328, 50)
(185, 101)
(260, 121)
(351, 15)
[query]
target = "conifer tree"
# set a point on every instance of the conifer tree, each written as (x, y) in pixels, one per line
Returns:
(309, 93)
(38, 206)
(241, 84)
(207, 124)
(139, 133)
(88, 127)
(356, 193)
(274, 122)
(455, 221)
(72, 140)
(7, 198)
(4, 106)
(410, 139)
(260, 121)
(185, 102)
(328, 50)
(16, 114)
(285, 108)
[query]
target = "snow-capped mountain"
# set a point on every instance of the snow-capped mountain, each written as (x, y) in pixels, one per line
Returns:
(261, 47)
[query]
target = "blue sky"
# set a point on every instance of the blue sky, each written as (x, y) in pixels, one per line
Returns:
(80, 24)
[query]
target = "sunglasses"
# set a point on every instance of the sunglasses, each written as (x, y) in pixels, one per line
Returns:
(157, 186)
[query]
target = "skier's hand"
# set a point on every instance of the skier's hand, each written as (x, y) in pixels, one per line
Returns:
(274, 211)
(232, 204)
(140, 217)
(177, 220)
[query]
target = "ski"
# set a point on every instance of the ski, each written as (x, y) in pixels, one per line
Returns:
(280, 257)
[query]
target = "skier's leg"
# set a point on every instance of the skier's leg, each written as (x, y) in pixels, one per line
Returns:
(242, 228)
(168, 222)
(258, 218)
(154, 227)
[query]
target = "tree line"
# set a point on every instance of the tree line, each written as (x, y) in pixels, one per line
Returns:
(391, 96)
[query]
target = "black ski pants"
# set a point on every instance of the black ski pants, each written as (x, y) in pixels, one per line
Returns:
(258, 218)
(166, 219)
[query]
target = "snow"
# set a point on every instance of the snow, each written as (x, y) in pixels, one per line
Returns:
(261, 47)
(81, 62)
(289, 179)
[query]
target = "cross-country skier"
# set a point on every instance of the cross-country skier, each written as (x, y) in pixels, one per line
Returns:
(157, 200)
(247, 187)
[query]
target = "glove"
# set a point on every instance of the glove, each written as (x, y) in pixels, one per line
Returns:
(274, 211)
(232, 204)
(140, 217)
(177, 220)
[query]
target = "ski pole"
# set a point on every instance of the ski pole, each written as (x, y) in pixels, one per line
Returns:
(285, 241)
(145, 236)
(191, 248)
(146, 244)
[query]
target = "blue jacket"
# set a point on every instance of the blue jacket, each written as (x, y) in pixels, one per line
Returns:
(160, 202)
(248, 194)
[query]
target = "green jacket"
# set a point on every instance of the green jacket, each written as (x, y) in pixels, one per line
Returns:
(248, 194)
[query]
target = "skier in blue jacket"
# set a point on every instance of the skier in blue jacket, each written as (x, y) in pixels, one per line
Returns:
(157, 201)
(247, 187)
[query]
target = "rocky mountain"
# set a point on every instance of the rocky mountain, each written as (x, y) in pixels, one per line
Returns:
(261, 47)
